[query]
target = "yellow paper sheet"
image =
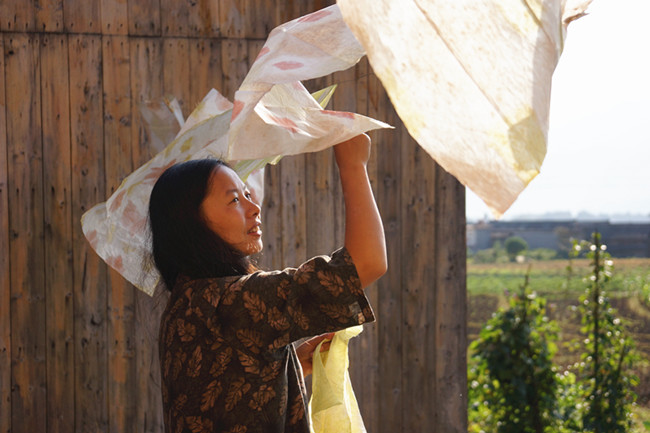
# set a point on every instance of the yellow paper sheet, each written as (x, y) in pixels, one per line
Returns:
(333, 407)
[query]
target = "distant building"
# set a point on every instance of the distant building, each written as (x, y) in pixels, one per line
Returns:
(622, 240)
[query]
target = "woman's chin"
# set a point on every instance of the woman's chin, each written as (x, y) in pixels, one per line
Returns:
(253, 247)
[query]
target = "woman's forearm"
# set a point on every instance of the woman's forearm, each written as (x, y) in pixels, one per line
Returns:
(364, 231)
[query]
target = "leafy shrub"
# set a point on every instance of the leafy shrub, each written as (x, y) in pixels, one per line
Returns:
(514, 246)
(513, 385)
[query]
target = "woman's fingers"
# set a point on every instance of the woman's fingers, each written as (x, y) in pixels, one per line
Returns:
(306, 350)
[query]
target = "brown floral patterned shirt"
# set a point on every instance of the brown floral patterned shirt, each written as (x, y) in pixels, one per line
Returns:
(227, 359)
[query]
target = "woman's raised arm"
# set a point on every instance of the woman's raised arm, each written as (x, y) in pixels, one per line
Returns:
(364, 232)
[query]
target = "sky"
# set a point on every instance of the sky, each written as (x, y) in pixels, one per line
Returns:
(598, 156)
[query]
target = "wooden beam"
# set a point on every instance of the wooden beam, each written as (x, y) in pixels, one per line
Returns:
(5, 262)
(450, 313)
(121, 303)
(59, 270)
(25, 157)
(88, 189)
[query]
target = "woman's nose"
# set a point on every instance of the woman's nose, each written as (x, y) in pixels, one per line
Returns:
(253, 208)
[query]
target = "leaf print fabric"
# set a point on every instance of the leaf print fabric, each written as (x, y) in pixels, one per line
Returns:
(227, 361)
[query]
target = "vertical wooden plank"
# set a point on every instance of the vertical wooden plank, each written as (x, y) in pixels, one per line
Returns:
(344, 99)
(49, 15)
(232, 17)
(17, 16)
(89, 272)
(234, 65)
(321, 181)
(364, 356)
(82, 16)
(205, 62)
(114, 15)
(5, 263)
(146, 84)
(260, 18)
(25, 154)
(144, 17)
(294, 212)
(121, 304)
(272, 224)
(176, 71)
(58, 233)
(287, 10)
(418, 276)
(196, 18)
(389, 287)
(449, 316)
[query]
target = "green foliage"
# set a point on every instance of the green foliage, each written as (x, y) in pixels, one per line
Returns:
(514, 246)
(513, 386)
(496, 254)
(608, 353)
(542, 254)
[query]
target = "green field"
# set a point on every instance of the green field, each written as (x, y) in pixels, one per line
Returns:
(489, 285)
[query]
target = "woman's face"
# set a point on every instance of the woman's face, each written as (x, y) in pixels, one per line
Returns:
(231, 213)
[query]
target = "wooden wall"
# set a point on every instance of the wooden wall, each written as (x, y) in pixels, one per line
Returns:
(77, 343)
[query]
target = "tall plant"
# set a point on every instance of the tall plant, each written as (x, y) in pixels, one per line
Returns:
(608, 354)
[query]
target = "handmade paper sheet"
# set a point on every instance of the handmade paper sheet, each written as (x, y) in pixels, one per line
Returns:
(272, 115)
(471, 80)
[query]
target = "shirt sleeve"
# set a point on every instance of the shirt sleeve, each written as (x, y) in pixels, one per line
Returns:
(268, 310)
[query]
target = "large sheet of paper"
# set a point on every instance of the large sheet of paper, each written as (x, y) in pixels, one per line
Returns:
(272, 115)
(471, 80)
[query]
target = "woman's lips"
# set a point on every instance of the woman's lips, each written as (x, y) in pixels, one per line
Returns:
(256, 230)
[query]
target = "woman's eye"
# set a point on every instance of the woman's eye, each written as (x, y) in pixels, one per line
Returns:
(248, 195)
(235, 200)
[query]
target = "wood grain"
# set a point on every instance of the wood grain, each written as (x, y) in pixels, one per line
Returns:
(5, 262)
(88, 188)
(450, 309)
(146, 84)
(49, 15)
(117, 165)
(234, 65)
(205, 61)
(176, 71)
(57, 172)
(114, 17)
(17, 16)
(418, 277)
(25, 155)
(144, 17)
(82, 16)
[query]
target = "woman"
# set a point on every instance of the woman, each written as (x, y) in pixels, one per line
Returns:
(227, 359)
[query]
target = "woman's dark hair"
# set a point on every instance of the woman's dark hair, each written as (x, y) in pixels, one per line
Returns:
(182, 242)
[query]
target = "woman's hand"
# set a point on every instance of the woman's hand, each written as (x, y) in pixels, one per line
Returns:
(306, 350)
(353, 152)
(364, 232)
